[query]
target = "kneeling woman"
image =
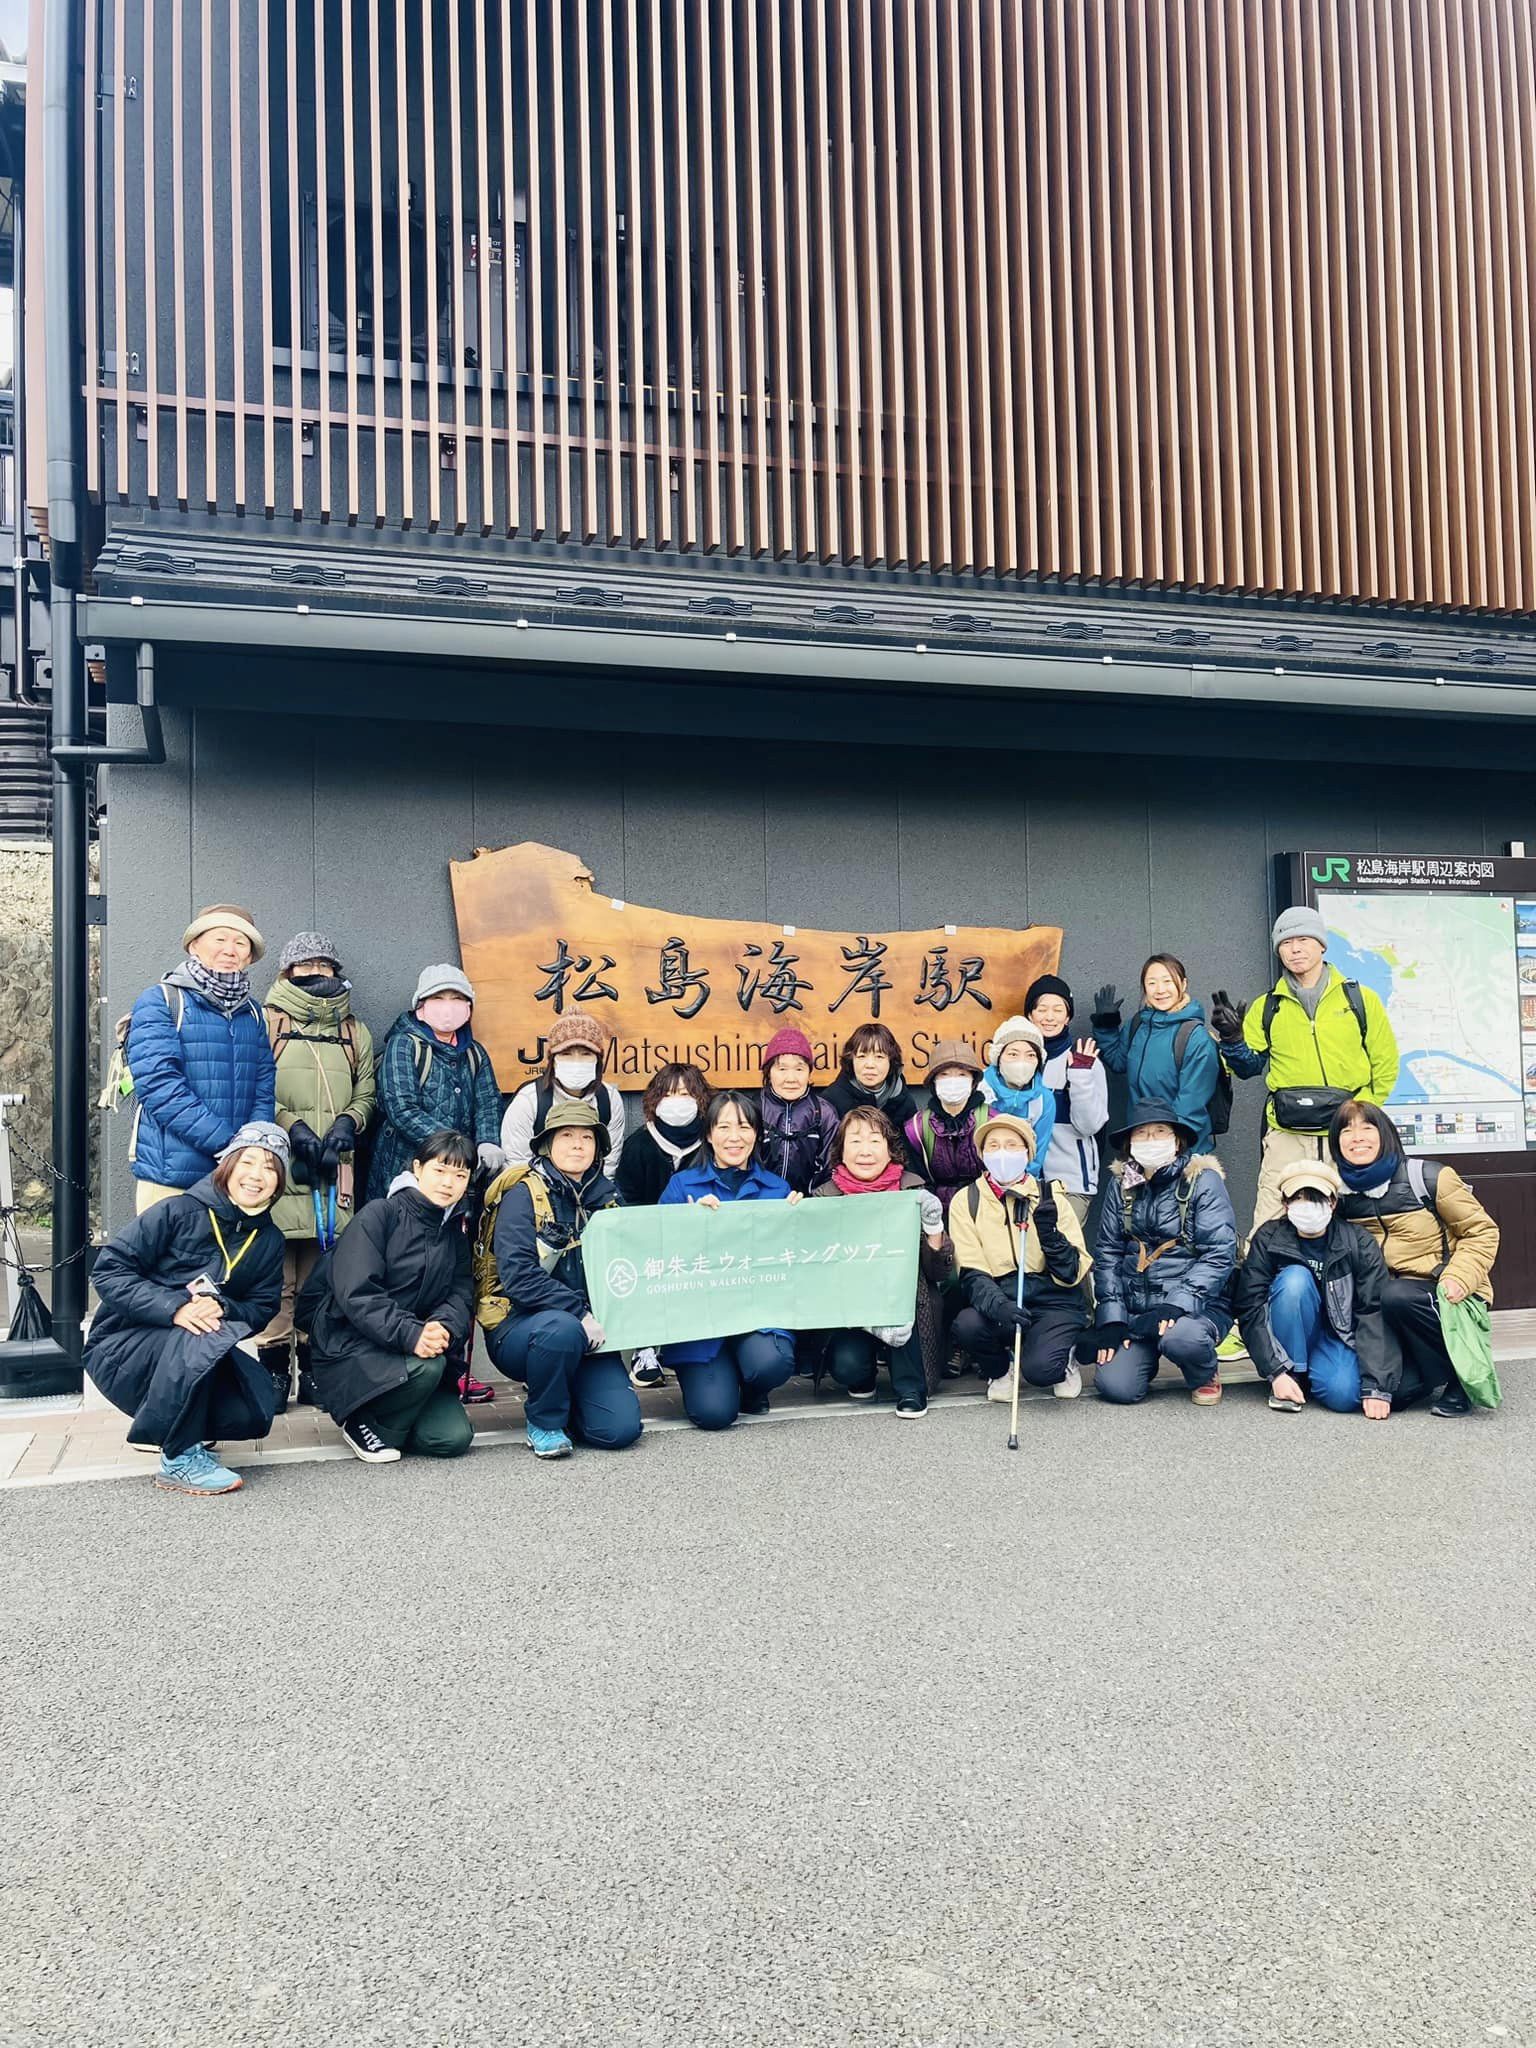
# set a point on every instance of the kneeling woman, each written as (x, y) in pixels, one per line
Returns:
(1042, 1299)
(723, 1377)
(548, 1336)
(397, 1296)
(182, 1290)
(1166, 1252)
(1435, 1235)
(865, 1161)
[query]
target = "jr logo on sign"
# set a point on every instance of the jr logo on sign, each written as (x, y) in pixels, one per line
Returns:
(1334, 869)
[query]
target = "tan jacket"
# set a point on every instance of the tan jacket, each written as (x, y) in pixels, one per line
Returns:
(987, 1242)
(1411, 1236)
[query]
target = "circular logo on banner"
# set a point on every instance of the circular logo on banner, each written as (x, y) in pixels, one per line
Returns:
(622, 1279)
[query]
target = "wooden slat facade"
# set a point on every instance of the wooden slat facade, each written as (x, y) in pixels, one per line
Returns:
(1214, 294)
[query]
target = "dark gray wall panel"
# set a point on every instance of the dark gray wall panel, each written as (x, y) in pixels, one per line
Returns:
(238, 857)
(1209, 890)
(1087, 865)
(392, 809)
(964, 840)
(536, 786)
(694, 835)
(832, 838)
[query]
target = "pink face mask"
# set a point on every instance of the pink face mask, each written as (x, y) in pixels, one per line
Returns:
(443, 1013)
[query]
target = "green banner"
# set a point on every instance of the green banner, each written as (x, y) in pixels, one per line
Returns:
(667, 1275)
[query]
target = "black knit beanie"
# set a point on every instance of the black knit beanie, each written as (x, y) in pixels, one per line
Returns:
(1049, 985)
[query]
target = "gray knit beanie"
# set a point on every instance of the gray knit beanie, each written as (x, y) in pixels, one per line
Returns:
(308, 946)
(1299, 923)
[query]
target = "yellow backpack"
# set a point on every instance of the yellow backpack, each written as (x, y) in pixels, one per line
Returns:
(491, 1305)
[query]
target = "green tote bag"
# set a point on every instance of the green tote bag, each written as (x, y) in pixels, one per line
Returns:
(1469, 1339)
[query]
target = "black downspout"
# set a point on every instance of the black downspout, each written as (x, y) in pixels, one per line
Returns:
(21, 614)
(63, 116)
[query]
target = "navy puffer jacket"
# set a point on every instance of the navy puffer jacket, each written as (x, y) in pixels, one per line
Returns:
(797, 1136)
(197, 1077)
(1149, 1256)
(137, 1356)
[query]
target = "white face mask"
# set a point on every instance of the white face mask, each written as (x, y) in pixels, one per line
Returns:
(676, 1110)
(1309, 1218)
(953, 1090)
(575, 1074)
(1151, 1154)
(1017, 1068)
(1006, 1166)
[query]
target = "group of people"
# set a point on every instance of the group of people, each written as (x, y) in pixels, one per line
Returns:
(255, 1271)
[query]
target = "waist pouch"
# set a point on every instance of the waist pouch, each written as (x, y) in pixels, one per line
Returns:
(1307, 1109)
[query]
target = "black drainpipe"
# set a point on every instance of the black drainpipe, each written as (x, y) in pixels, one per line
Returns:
(64, 115)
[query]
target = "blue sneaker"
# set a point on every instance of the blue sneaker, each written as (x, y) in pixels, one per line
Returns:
(548, 1443)
(196, 1471)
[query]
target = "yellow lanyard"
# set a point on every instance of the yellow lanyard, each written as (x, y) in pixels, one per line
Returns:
(230, 1263)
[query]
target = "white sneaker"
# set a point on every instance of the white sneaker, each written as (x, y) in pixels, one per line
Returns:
(1069, 1388)
(364, 1442)
(1001, 1389)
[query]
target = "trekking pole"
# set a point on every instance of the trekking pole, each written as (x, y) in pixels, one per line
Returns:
(1018, 1345)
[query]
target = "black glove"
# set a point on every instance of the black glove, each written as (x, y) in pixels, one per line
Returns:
(341, 1138)
(1046, 1215)
(1227, 1019)
(1102, 1337)
(1106, 1007)
(1016, 1317)
(306, 1152)
(1149, 1323)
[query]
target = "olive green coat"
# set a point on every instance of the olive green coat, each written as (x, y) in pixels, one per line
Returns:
(315, 1085)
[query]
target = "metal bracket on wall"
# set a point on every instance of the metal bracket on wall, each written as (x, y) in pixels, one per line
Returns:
(96, 909)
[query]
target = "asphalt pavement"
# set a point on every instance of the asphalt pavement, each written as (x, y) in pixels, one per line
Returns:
(1176, 1729)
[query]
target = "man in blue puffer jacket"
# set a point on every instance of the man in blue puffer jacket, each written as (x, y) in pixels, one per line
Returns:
(199, 1055)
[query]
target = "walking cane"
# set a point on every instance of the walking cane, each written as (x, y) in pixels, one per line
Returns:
(1018, 1343)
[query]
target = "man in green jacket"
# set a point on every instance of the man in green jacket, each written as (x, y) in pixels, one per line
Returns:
(1322, 1039)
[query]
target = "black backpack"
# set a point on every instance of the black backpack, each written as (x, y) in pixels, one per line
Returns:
(1220, 1104)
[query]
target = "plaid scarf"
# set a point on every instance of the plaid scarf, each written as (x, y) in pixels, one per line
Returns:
(226, 992)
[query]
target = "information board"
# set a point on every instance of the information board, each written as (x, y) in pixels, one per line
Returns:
(1448, 942)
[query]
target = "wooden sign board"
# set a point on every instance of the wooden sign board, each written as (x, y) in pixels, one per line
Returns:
(538, 940)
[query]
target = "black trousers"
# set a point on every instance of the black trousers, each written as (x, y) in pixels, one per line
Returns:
(852, 1360)
(1408, 1302)
(1047, 1348)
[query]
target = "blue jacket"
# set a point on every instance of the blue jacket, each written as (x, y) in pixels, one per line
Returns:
(1143, 1050)
(759, 1186)
(1152, 1260)
(426, 1086)
(195, 1085)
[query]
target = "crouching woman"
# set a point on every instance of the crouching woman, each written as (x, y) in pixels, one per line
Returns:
(866, 1161)
(1022, 1263)
(183, 1290)
(534, 1305)
(723, 1377)
(1439, 1243)
(1309, 1299)
(1163, 1271)
(397, 1296)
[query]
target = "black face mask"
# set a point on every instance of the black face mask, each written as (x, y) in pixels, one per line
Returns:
(321, 984)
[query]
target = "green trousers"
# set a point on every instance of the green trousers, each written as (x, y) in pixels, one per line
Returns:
(422, 1415)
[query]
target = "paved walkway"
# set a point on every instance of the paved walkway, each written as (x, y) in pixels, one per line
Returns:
(1180, 1729)
(65, 1441)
